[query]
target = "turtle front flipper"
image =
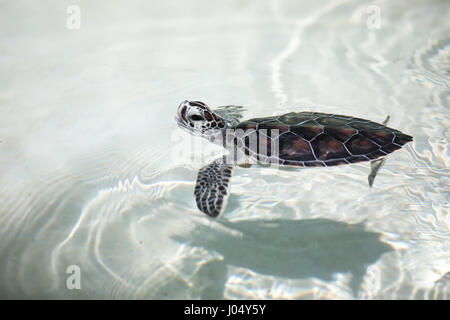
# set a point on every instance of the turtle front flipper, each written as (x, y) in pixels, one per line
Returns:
(211, 189)
(231, 114)
(376, 165)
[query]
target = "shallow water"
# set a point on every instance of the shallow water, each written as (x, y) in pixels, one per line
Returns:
(92, 175)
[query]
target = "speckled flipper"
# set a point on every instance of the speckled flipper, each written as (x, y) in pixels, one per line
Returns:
(211, 189)
(231, 114)
(376, 165)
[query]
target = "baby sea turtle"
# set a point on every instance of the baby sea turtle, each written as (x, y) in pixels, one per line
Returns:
(295, 139)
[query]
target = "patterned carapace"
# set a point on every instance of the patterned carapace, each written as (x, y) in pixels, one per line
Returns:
(320, 139)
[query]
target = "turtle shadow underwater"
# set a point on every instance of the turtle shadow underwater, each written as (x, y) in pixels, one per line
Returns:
(289, 249)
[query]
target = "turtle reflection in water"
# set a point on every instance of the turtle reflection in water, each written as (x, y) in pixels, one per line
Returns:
(295, 139)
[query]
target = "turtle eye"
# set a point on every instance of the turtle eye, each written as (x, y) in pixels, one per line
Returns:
(196, 117)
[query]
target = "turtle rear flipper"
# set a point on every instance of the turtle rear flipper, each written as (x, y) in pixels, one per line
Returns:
(376, 165)
(211, 189)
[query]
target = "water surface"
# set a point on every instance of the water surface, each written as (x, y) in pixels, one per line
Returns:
(92, 176)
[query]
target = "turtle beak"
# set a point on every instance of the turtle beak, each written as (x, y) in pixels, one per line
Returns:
(181, 111)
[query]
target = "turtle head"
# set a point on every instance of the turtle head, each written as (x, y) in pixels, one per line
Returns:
(197, 118)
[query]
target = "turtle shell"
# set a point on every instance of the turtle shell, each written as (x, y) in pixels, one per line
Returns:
(317, 139)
